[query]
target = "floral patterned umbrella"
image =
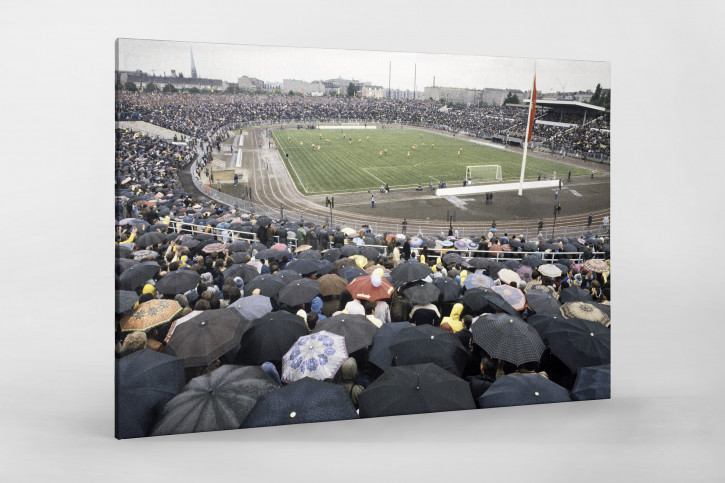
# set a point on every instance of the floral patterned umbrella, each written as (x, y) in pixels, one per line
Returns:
(596, 265)
(150, 314)
(319, 356)
(582, 310)
(513, 296)
(141, 255)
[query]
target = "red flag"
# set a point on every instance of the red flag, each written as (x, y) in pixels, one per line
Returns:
(532, 113)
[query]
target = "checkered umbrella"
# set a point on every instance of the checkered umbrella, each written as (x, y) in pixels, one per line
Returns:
(507, 337)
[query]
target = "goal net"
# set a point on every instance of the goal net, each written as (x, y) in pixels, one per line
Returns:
(484, 173)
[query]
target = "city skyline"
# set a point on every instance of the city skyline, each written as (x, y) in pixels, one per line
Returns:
(274, 64)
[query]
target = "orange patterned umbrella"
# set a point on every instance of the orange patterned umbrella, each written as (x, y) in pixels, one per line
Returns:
(150, 314)
(513, 296)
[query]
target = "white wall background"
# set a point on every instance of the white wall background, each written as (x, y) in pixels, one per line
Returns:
(56, 390)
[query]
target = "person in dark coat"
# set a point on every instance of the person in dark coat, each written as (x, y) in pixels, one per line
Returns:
(406, 249)
(480, 383)
(312, 238)
(339, 238)
(262, 235)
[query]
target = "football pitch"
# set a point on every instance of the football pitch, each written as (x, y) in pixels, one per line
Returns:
(339, 160)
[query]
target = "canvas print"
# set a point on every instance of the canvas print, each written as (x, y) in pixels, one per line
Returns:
(311, 235)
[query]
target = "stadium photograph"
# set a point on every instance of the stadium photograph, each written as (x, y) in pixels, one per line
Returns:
(311, 235)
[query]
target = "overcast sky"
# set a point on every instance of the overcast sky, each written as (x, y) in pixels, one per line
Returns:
(229, 62)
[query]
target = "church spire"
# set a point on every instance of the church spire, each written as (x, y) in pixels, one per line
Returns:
(193, 66)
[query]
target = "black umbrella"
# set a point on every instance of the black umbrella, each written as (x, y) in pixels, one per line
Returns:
(138, 275)
(576, 342)
(305, 401)
(269, 253)
(269, 337)
(299, 292)
(206, 336)
(259, 247)
(332, 254)
(216, 401)
(371, 253)
(303, 267)
(357, 330)
(493, 268)
(593, 383)
(484, 300)
(415, 389)
(252, 307)
(516, 244)
(123, 251)
(450, 290)
(478, 262)
(269, 285)
(507, 337)
(511, 264)
(425, 343)
(240, 257)
(125, 300)
(379, 353)
(205, 237)
(351, 273)
(145, 381)
(522, 390)
(190, 243)
(123, 264)
(574, 294)
(532, 261)
(542, 302)
(288, 276)
(452, 258)
(264, 220)
(309, 255)
(349, 250)
(177, 282)
(530, 247)
(325, 267)
(238, 246)
(246, 272)
(410, 272)
(422, 293)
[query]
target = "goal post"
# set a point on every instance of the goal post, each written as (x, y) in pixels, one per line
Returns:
(484, 173)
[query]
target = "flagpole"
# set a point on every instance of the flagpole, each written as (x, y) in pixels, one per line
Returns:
(532, 103)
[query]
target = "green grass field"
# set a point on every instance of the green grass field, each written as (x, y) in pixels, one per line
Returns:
(344, 166)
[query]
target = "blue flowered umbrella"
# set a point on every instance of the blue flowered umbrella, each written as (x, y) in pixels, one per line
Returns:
(446, 243)
(416, 242)
(317, 355)
(474, 280)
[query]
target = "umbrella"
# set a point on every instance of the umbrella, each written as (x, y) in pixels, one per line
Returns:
(123, 251)
(474, 280)
(494, 268)
(450, 290)
(214, 248)
(425, 343)
(512, 264)
(239, 257)
(371, 253)
(246, 272)
(422, 293)
(309, 255)
(542, 302)
(332, 254)
(303, 267)
(363, 288)
(507, 276)
(369, 270)
(524, 272)
(177, 282)
(344, 262)
(478, 262)
(269, 337)
(582, 310)
(357, 330)
(349, 249)
(207, 336)
(319, 356)
(410, 272)
(530, 247)
(349, 231)
(252, 307)
(145, 381)
(190, 243)
(216, 401)
(539, 287)
(123, 264)
(512, 295)
(481, 299)
(302, 248)
(574, 294)
(324, 267)
(379, 353)
(288, 276)
(332, 284)
(305, 401)
(299, 292)
(360, 261)
(150, 314)
(264, 220)
(259, 247)
(593, 383)
(509, 338)
(576, 342)
(452, 258)
(416, 242)
(415, 389)
(532, 261)
(142, 255)
(350, 273)
(238, 246)
(151, 238)
(138, 275)
(270, 253)
(522, 390)
(461, 244)
(279, 246)
(446, 243)
(125, 301)
(269, 285)
(596, 265)
(549, 270)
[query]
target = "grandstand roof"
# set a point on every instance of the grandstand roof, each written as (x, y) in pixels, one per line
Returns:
(558, 103)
